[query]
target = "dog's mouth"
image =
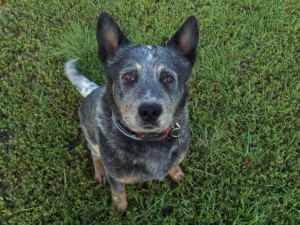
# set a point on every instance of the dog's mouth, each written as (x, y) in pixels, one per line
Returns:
(155, 127)
(140, 126)
(147, 132)
(151, 128)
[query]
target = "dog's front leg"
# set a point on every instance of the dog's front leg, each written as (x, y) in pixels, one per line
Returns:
(100, 174)
(118, 193)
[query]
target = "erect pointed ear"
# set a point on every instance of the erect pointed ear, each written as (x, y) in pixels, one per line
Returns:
(109, 37)
(185, 40)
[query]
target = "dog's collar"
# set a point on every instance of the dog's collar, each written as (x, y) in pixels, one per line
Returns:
(174, 132)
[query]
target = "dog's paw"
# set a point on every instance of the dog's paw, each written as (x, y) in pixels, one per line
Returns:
(176, 174)
(101, 178)
(121, 206)
(120, 201)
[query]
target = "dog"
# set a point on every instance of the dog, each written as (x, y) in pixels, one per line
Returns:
(137, 124)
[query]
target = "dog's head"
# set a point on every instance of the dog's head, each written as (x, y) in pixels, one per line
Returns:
(146, 85)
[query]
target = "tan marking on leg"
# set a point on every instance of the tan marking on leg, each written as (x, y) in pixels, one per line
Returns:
(100, 174)
(130, 179)
(120, 200)
(176, 174)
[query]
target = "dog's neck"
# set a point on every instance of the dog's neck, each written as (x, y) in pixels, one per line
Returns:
(173, 131)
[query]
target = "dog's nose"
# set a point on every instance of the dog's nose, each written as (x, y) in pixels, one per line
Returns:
(150, 112)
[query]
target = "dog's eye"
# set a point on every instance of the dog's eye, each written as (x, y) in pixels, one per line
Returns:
(167, 78)
(130, 76)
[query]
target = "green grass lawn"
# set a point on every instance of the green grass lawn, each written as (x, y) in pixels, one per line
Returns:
(243, 166)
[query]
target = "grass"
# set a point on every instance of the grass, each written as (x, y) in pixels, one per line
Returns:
(244, 161)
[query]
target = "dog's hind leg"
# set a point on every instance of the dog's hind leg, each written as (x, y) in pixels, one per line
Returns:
(118, 194)
(176, 172)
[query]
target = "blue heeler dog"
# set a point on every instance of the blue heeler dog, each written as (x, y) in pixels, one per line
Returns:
(136, 125)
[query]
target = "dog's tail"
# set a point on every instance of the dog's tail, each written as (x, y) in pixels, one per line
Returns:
(83, 85)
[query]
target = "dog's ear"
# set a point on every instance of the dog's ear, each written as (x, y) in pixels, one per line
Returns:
(109, 37)
(185, 40)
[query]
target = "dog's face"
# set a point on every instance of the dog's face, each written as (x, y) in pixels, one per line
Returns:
(148, 86)
(147, 83)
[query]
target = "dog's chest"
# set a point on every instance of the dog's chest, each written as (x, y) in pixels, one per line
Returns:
(147, 162)
(156, 162)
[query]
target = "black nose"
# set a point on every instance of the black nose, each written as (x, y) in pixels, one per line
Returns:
(150, 112)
